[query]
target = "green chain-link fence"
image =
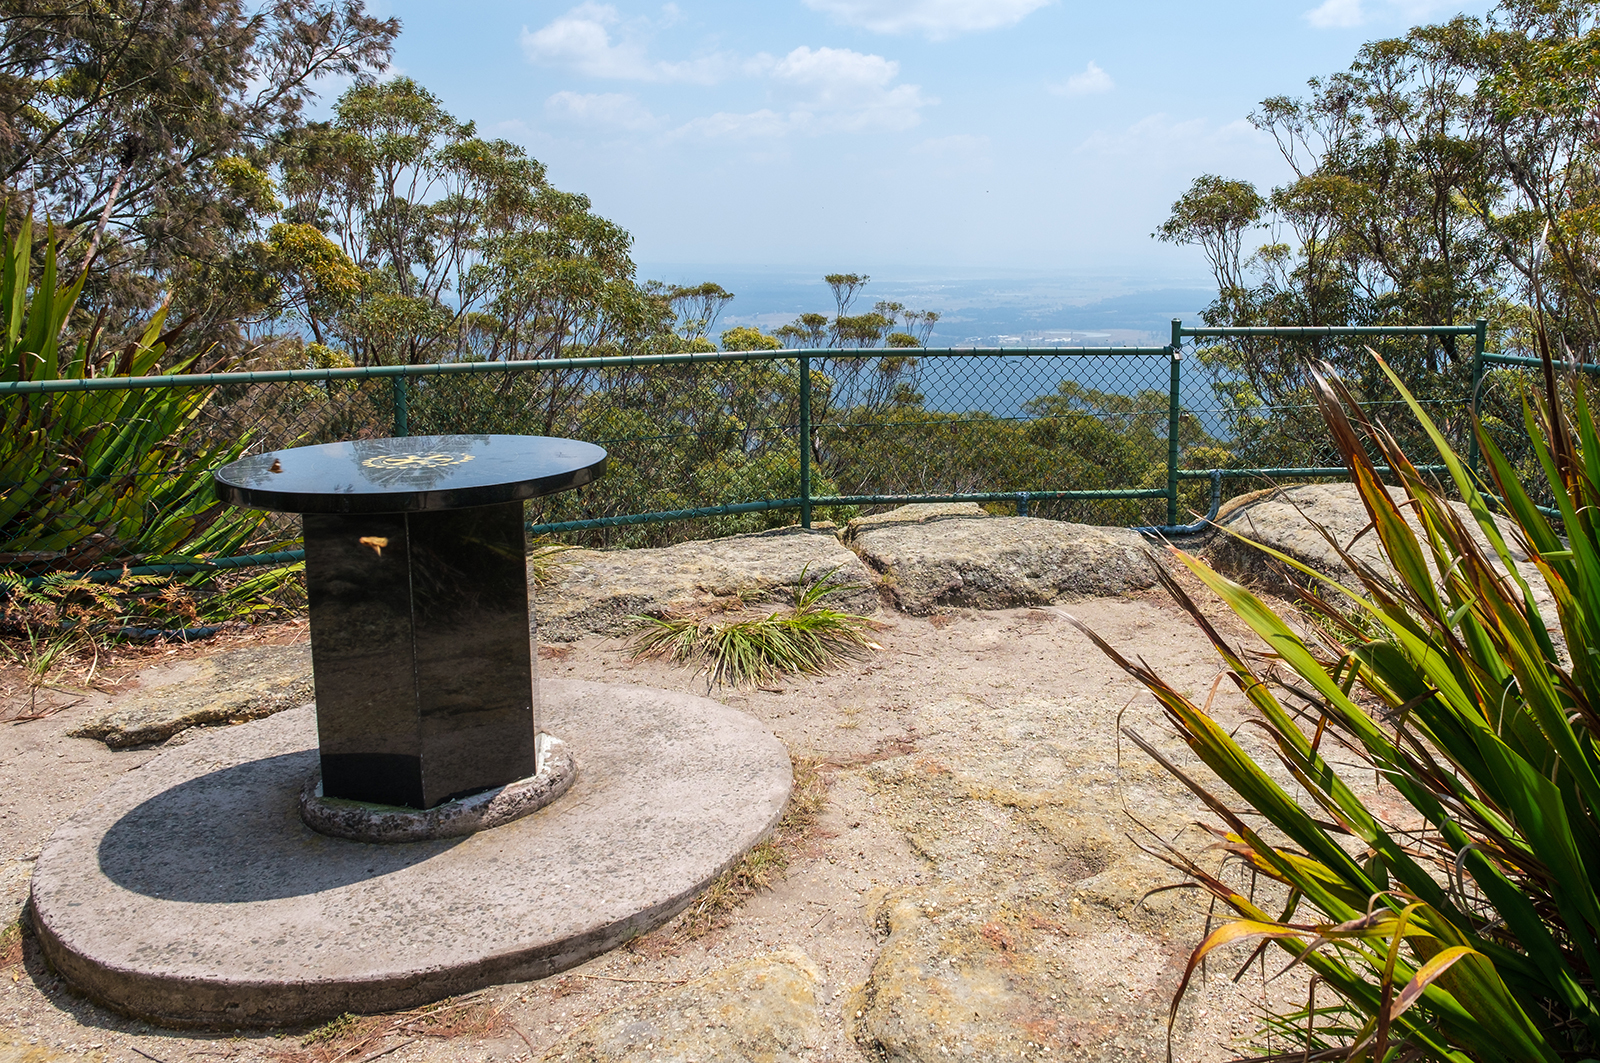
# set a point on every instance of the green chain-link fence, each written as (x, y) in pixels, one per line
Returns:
(112, 474)
(1501, 385)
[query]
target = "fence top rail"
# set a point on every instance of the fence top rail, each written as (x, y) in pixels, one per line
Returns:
(1311, 331)
(271, 376)
(1516, 359)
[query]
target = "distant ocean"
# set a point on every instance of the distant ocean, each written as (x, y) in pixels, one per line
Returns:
(998, 308)
(992, 308)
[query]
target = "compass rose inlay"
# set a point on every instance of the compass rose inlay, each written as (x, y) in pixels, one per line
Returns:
(436, 460)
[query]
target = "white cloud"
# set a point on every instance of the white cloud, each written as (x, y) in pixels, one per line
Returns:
(831, 90)
(1159, 135)
(1089, 82)
(938, 19)
(581, 39)
(600, 109)
(1347, 14)
(1336, 14)
(725, 125)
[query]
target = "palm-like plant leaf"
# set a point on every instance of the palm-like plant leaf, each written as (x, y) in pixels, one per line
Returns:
(104, 476)
(1484, 730)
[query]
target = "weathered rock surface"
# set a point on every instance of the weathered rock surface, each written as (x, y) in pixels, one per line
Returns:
(13, 1049)
(596, 591)
(1001, 562)
(228, 687)
(1283, 519)
(960, 976)
(1031, 940)
(915, 513)
(762, 1010)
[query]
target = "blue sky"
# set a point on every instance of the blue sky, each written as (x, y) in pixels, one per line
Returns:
(889, 134)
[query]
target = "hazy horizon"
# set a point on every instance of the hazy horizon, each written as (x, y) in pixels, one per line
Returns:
(976, 306)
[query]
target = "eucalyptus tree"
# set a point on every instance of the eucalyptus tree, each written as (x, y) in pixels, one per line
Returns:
(461, 246)
(1447, 174)
(145, 129)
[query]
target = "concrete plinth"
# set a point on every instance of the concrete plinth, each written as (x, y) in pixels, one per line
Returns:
(190, 892)
(359, 821)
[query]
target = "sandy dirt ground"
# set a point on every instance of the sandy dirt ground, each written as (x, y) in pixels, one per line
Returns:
(979, 815)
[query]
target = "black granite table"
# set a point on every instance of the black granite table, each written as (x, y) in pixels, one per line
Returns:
(418, 593)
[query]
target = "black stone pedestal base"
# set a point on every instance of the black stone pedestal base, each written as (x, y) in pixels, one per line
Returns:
(419, 645)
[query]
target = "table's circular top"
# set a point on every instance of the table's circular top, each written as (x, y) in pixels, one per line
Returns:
(409, 474)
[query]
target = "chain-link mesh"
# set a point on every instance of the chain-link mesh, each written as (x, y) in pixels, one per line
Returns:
(99, 480)
(1249, 410)
(942, 424)
(1501, 397)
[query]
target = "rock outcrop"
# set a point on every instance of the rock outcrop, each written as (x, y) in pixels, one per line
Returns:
(596, 591)
(229, 687)
(1285, 518)
(915, 513)
(987, 562)
(762, 1010)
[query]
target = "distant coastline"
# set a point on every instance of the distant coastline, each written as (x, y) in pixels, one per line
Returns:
(978, 307)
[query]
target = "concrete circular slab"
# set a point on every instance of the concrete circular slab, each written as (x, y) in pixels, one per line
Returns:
(190, 892)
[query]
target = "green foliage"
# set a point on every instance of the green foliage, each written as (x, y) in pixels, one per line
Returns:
(149, 131)
(857, 330)
(99, 477)
(407, 238)
(810, 637)
(1454, 914)
(697, 307)
(744, 338)
(1214, 213)
(1448, 174)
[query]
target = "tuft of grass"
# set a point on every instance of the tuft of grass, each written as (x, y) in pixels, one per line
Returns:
(810, 637)
(347, 1027)
(39, 655)
(760, 867)
(11, 945)
(545, 563)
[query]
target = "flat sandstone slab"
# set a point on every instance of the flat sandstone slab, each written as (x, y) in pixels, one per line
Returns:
(228, 687)
(597, 591)
(190, 892)
(760, 1009)
(1001, 562)
(1283, 518)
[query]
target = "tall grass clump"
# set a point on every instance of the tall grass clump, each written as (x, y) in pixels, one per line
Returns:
(811, 637)
(1458, 918)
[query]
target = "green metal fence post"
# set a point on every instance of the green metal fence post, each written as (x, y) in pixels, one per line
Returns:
(1480, 340)
(805, 441)
(1174, 410)
(401, 413)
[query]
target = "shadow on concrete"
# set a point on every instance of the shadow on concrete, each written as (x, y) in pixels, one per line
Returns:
(234, 835)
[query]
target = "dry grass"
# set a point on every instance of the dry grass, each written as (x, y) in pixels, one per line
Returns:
(761, 866)
(355, 1038)
(545, 563)
(11, 945)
